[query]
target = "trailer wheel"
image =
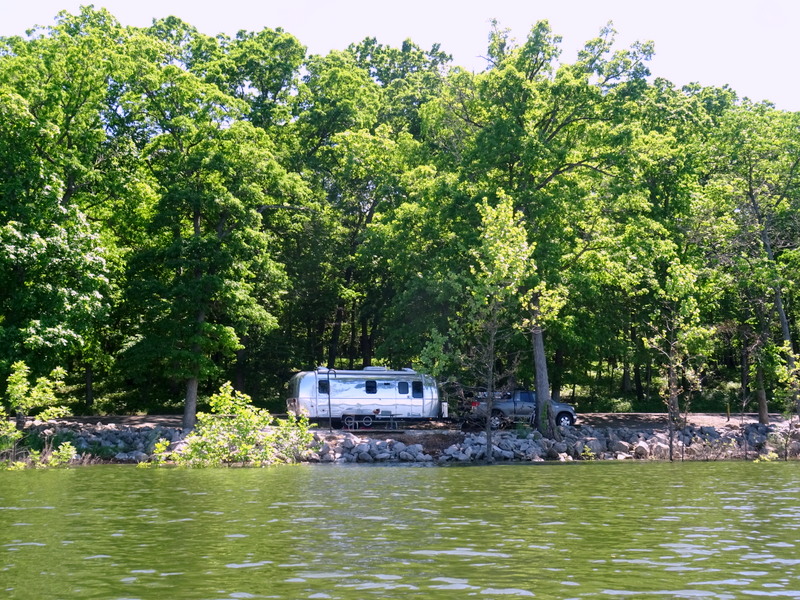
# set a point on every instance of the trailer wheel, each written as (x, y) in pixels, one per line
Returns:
(366, 421)
(497, 419)
(349, 421)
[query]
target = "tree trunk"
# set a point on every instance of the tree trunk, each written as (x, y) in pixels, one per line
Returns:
(637, 382)
(351, 344)
(366, 343)
(239, 371)
(761, 394)
(672, 391)
(543, 405)
(89, 385)
(333, 348)
(637, 364)
(190, 407)
(598, 379)
(490, 359)
(336, 334)
(786, 332)
(557, 380)
(626, 385)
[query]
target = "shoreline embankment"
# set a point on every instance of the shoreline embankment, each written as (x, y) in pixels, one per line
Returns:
(133, 440)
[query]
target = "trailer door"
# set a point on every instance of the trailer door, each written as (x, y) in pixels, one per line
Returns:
(321, 396)
(385, 395)
(410, 401)
(405, 405)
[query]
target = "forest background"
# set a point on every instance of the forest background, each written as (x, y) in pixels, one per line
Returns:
(179, 210)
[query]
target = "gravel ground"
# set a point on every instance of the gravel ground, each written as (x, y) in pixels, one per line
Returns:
(614, 420)
(659, 420)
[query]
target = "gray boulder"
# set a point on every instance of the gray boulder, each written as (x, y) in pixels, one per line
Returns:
(641, 449)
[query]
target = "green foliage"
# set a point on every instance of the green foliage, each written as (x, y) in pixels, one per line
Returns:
(179, 209)
(62, 455)
(23, 397)
(38, 452)
(9, 434)
(161, 451)
(522, 430)
(34, 440)
(765, 458)
(235, 432)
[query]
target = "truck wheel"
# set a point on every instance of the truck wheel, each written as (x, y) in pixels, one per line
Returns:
(564, 419)
(366, 421)
(497, 419)
(349, 421)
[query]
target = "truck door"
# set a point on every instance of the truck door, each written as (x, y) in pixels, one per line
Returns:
(524, 403)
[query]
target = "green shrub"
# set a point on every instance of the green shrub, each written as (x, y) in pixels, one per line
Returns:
(236, 432)
(24, 397)
(35, 440)
(9, 434)
(50, 454)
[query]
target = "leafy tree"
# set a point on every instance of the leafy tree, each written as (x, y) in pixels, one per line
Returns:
(205, 206)
(756, 183)
(56, 159)
(548, 137)
(502, 261)
(420, 245)
(206, 276)
(657, 189)
(335, 96)
(409, 77)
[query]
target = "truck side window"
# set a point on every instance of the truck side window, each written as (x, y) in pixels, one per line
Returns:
(371, 386)
(416, 389)
(323, 386)
(526, 397)
(402, 387)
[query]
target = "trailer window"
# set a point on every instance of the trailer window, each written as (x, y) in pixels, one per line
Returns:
(402, 387)
(416, 389)
(324, 387)
(371, 386)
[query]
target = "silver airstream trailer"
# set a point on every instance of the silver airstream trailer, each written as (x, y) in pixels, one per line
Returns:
(364, 397)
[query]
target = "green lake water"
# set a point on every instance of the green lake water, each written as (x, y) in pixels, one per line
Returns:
(581, 530)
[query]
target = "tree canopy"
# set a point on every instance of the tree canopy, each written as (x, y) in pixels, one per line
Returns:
(179, 210)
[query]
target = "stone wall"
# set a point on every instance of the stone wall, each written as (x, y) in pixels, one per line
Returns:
(136, 444)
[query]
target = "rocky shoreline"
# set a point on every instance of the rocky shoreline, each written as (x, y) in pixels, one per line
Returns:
(96, 441)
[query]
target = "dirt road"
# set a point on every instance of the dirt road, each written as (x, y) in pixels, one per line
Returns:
(630, 420)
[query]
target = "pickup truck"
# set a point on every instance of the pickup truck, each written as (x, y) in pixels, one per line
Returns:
(519, 405)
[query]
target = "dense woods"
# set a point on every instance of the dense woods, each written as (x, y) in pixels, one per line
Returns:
(180, 210)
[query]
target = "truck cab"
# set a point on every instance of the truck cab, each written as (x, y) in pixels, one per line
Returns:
(519, 406)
